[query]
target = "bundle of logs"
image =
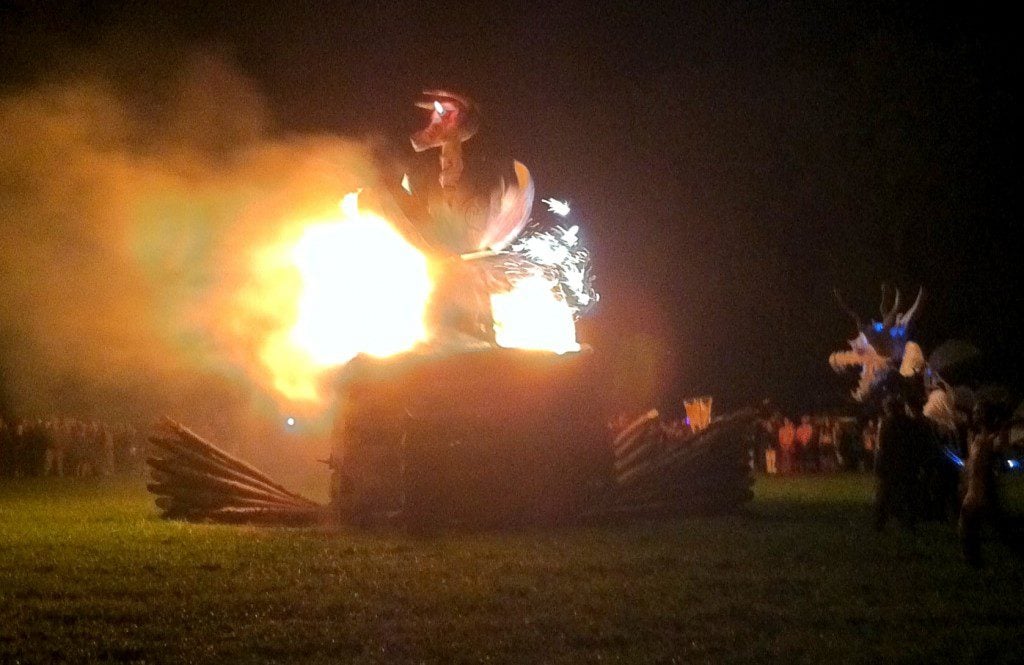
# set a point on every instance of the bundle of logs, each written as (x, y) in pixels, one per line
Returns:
(658, 471)
(195, 480)
(497, 437)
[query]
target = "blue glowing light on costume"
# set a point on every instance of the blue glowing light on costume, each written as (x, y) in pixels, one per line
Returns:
(1012, 463)
(953, 457)
(878, 326)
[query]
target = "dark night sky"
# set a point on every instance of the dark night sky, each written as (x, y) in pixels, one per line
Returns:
(730, 162)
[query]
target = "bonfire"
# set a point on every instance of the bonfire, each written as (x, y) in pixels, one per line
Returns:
(446, 333)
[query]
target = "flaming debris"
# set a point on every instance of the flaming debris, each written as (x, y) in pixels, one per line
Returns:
(558, 254)
(549, 286)
(533, 315)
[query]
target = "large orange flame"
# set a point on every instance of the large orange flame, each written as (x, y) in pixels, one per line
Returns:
(362, 288)
(350, 283)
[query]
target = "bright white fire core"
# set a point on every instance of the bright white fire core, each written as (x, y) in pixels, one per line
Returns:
(532, 316)
(364, 289)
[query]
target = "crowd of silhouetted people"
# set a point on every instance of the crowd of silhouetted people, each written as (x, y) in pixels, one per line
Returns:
(924, 469)
(814, 444)
(68, 447)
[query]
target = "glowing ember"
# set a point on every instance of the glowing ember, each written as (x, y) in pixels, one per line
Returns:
(363, 289)
(532, 315)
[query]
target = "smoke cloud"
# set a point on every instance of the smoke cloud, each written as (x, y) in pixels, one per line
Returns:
(128, 219)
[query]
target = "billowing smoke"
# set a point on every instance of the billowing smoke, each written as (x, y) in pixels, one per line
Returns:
(127, 226)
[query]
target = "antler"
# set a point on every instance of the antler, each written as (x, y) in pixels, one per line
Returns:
(889, 313)
(890, 316)
(846, 308)
(907, 316)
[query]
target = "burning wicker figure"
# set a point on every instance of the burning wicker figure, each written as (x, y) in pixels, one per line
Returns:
(488, 424)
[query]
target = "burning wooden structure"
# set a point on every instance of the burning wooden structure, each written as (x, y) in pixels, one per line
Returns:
(455, 427)
(497, 437)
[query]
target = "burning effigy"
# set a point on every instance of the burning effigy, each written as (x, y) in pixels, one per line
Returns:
(444, 325)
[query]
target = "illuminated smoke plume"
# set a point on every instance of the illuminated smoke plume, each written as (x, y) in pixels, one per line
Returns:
(130, 218)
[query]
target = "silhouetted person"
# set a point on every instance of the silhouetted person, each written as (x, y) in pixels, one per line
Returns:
(902, 436)
(6, 450)
(807, 444)
(869, 444)
(905, 450)
(827, 446)
(787, 445)
(768, 444)
(981, 500)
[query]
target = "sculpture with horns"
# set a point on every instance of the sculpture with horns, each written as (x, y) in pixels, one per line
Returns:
(881, 346)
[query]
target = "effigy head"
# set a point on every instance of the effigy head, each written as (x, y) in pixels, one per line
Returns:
(453, 119)
(881, 346)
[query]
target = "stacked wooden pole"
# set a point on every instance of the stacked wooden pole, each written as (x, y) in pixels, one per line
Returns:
(195, 480)
(704, 472)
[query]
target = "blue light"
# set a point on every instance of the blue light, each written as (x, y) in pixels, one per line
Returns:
(878, 326)
(1012, 463)
(953, 457)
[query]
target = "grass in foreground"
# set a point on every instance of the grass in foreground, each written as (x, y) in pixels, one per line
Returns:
(87, 573)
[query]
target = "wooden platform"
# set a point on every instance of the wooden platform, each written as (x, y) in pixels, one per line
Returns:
(491, 437)
(508, 437)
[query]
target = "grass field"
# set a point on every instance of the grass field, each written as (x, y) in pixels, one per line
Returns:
(87, 573)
